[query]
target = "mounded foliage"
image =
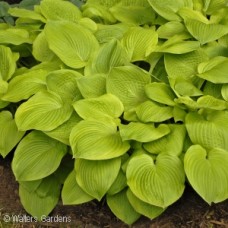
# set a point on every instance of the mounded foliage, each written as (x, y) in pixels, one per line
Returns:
(123, 100)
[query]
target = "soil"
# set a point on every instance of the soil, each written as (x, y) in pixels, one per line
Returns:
(189, 211)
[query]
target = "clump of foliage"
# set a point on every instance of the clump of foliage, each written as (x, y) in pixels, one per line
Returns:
(118, 99)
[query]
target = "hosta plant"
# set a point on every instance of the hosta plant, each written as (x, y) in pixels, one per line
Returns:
(122, 100)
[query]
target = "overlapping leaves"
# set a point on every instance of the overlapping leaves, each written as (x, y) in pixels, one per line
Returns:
(134, 91)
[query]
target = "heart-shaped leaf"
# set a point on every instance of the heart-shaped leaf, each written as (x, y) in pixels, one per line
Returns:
(72, 194)
(159, 182)
(96, 140)
(33, 154)
(127, 83)
(96, 177)
(44, 111)
(105, 106)
(210, 130)
(207, 172)
(72, 43)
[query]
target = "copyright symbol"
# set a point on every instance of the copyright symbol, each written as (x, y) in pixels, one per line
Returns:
(6, 218)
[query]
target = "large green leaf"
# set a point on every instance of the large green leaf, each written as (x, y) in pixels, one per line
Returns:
(100, 108)
(92, 86)
(41, 201)
(143, 208)
(142, 132)
(211, 102)
(207, 172)
(148, 179)
(44, 111)
(106, 33)
(14, 36)
(128, 83)
(62, 133)
(139, 42)
(214, 70)
(178, 45)
(119, 184)
(122, 208)
(170, 29)
(209, 130)
(64, 83)
(72, 193)
(112, 54)
(25, 85)
(224, 92)
(41, 50)
(96, 140)
(205, 33)
(136, 12)
(96, 177)
(60, 10)
(25, 13)
(160, 92)
(150, 111)
(72, 43)
(7, 63)
(9, 134)
(168, 8)
(37, 156)
(172, 143)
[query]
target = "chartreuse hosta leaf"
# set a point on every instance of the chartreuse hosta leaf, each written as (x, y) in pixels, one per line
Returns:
(119, 184)
(127, 83)
(178, 45)
(144, 208)
(92, 86)
(216, 66)
(209, 130)
(112, 54)
(72, 193)
(72, 43)
(138, 41)
(170, 29)
(205, 33)
(14, 36)
(142, 132)
(40, 199)
(9, 134)
(211, 102)
(168, 8)
(25, 13)
(96, 177)
(64, 83)
(188, 14)
(150, 111)
(60, 10)
(25, 85)
(161, 93)
(148, 179)
(171, 143)
(7, 63)
(62, 133)
(44, 111)
(207, 172)
(106, 33)
(41, 50)
(122, 208)
(33, 154)
(133, 12)
(96, 140)
(100, 108)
